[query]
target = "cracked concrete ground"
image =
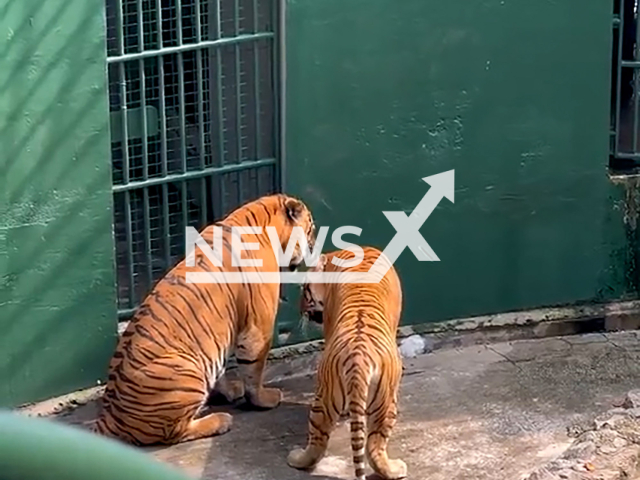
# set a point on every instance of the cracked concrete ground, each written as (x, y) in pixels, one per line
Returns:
(492, 412)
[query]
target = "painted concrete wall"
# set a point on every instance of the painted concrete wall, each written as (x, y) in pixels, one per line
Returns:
(57, 294)
(513, 95)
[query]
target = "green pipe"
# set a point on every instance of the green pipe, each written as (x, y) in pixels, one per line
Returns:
(41, 449)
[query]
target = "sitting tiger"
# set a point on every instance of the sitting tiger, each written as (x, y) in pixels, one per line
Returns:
(360, 370)
(173, 351)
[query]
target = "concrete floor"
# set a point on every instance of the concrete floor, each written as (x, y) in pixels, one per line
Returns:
(487, 412)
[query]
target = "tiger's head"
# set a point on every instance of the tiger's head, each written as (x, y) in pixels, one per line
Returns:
(313, 297)
(282, 214)
(295, 215)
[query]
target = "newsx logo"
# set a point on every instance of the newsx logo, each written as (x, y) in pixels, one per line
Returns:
(407, 236)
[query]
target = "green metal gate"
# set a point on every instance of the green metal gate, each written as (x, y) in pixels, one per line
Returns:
(193, 96)
(625, 101)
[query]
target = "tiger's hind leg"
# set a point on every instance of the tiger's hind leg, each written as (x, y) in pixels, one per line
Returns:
(253, 345)
(173, 403)
(322, 420)
(252, 371)
(382, 413)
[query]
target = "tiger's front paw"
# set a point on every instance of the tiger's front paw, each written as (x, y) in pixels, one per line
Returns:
(266, 398)
(299, 459)
(233, 390)
(397, 469)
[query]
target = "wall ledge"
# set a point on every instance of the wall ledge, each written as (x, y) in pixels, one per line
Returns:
(301, 359)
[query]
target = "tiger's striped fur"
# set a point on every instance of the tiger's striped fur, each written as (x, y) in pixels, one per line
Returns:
(360, 370)
(173, 351)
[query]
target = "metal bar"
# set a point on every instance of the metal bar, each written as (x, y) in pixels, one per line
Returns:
(161, 95)
(279, 75)
(233, 167)
(190, 47)
(126, 313)
(163, 119)
(259, 183)
(616, 141)
(200, 88)
(158, 25)
(140, 25)
(221, 129)
(179, 20)
(218, 21)
(125, 120)
(256, 84)
(220, 106)
(185, 210)
(181, 105)
(129, 235)
(166, 226)
(636, 100)
(201, 142)
(183, 113)
(628, 156)
(636, 110)
(198, 22)
(203, 201)
(147, 236)
(201, 148)
(628, 63)
(236, 49)
(143, 94)
(145, 154)
(145, 133)
(255, 185)
(213, 32)
(122, 80)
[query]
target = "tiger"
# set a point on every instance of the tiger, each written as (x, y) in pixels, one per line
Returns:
(173, 353)
(360, 369)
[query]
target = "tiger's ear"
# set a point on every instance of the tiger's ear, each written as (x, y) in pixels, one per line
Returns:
(322, 263)
(293, 208)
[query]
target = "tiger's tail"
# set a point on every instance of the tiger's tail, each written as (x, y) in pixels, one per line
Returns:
(357, 384)
(99, 427)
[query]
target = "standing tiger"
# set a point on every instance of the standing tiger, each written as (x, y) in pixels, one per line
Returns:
(173, 351)
(360, 370)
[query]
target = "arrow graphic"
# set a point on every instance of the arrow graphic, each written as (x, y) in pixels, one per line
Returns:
(408, 227)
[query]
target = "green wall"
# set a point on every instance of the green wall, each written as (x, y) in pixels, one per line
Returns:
(512, 94)
(57, 294)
